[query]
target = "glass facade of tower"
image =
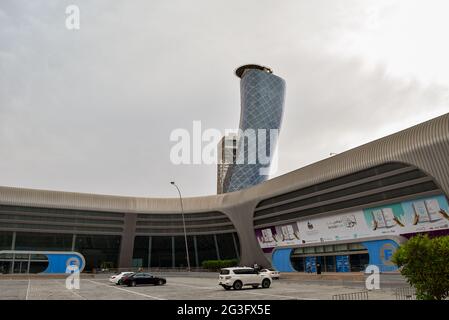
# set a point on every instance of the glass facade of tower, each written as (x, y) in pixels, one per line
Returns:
(262, 105)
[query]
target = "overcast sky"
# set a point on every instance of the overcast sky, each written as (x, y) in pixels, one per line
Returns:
(92, 110)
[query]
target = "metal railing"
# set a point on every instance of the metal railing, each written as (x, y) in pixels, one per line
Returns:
(406, 293)
(362, 295)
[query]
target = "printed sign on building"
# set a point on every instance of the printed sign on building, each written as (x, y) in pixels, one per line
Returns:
(420, 215)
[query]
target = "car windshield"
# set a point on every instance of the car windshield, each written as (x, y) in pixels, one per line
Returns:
(224, 271)
(271, 269)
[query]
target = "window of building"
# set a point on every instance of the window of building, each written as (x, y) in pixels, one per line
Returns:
(180, 252)
(298, 263)
(341, 247)
(161, 252)
(309, 250)
(226, 246)
(355, 246)
(141, 251)
(98, 250)
(5, 240)
(358, 262)
(329, 264)
(43, 241)
(355, 253)
(206, 248)
(319, 249)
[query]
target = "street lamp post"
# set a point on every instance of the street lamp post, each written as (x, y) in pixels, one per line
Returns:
(184, 225)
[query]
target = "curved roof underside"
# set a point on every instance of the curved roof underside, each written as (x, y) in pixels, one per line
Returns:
(425, 146)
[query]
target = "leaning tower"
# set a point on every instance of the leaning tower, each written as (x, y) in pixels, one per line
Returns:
(262, 105)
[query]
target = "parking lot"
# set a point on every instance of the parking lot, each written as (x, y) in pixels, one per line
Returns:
(196, 287)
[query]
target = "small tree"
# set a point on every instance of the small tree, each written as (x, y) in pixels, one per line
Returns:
(425, 264)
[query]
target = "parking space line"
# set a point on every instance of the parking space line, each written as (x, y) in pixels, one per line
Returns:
(254, 293)
(72, 291)
(191, 286)
(278, 295)
(130, 291)
(28, 289)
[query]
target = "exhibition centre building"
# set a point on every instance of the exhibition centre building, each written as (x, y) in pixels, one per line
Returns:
(347, 211)
(344, 212)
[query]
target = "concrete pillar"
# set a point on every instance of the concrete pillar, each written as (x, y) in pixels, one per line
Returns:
(127, 242)
(241, 216)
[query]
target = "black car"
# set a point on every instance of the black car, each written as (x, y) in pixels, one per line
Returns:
(143, 278)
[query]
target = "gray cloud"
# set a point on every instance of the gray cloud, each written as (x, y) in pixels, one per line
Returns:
(342, 106)
(92, 110)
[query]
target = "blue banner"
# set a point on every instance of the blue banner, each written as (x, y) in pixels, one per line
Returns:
(342, 263)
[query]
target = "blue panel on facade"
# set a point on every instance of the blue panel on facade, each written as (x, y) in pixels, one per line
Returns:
(380, 254)
(342, 263)
(57, 263)
(281, 260)
(311, 264)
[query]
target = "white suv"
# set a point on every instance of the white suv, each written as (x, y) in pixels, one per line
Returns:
(243, 276)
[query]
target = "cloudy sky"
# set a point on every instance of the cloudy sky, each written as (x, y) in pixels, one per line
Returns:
(92, 110)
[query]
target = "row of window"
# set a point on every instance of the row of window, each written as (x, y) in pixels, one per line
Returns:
(61, 212)
(385, 182)
(333, 183)
(51, 219)
(102, 251)
(170, 251)
(187, 216)
(428, 187)
(98, 250)
(179, 223)
(329, 248)
(179, 230)
(333, 263)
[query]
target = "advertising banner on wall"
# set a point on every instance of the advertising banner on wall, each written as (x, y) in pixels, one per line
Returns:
(420, 215)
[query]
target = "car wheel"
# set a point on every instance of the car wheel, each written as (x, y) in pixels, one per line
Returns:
(266, 283)
(227, 287)
(133, 284)
(160, 282)
(120, 282)
(237, 285)
(255, 286)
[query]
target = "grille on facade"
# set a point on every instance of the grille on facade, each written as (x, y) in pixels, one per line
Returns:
(362, 189)
(196, 223)
(48, 219)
